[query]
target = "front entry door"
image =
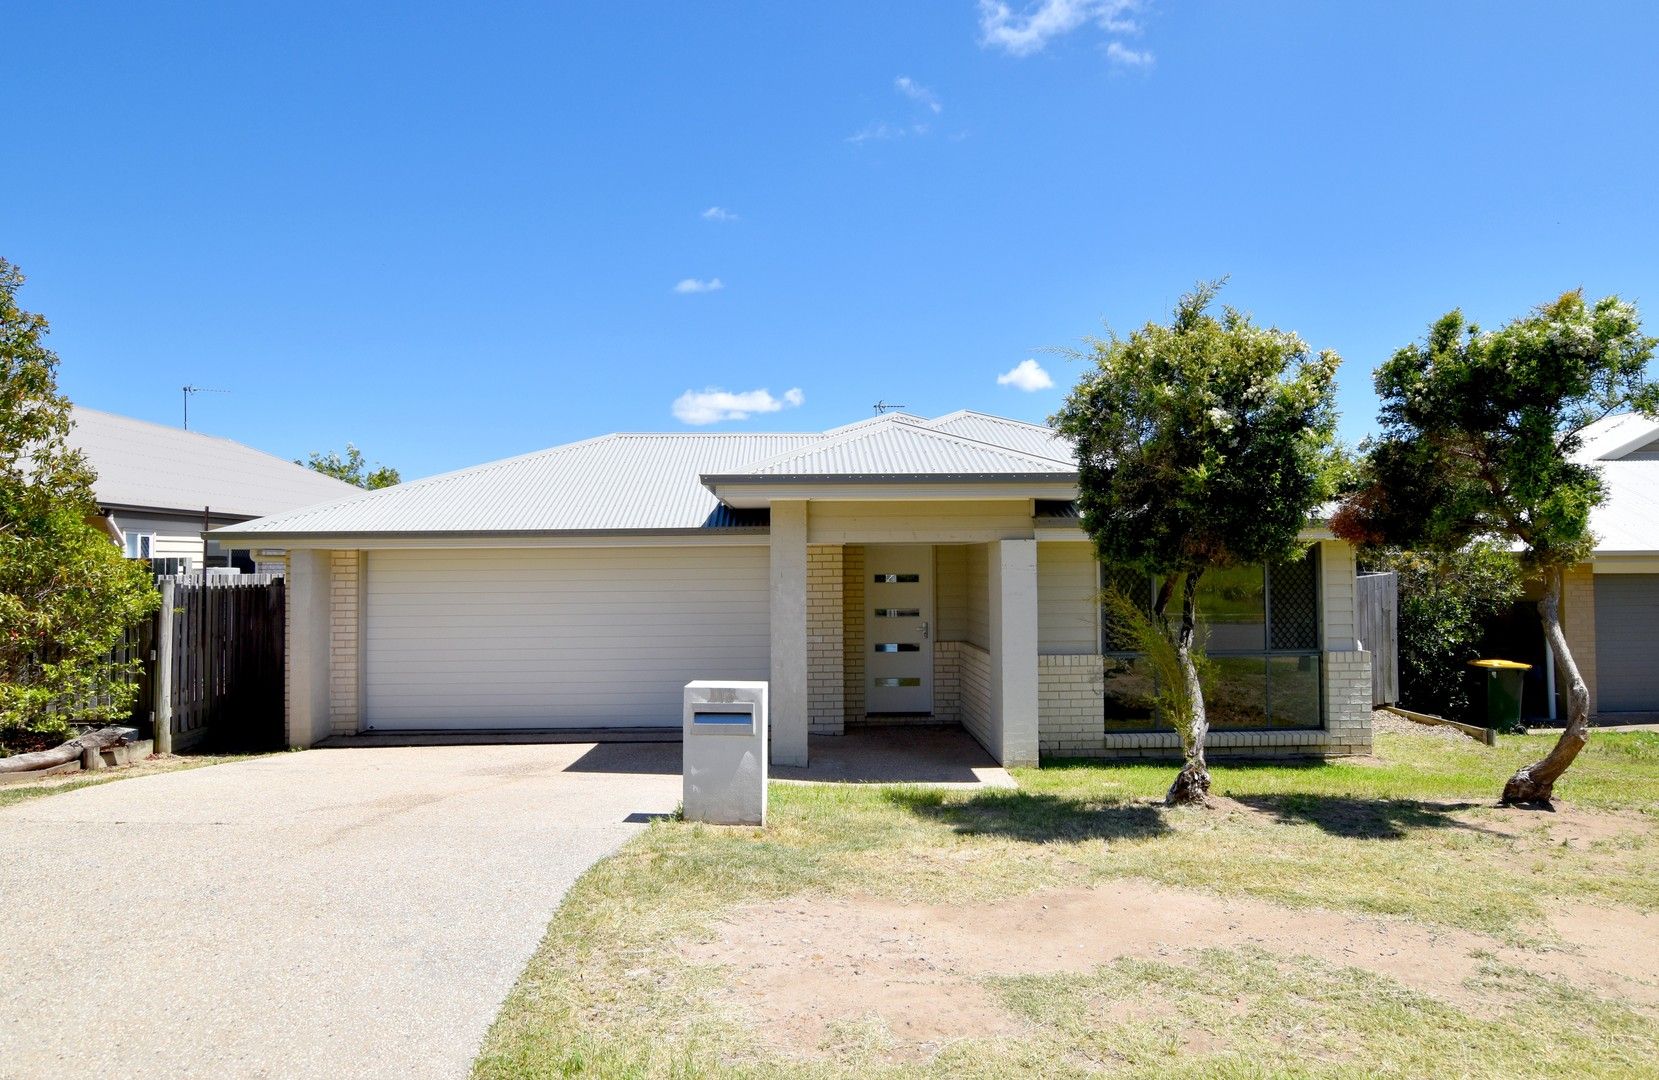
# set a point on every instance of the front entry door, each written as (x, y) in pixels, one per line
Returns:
(898, 629)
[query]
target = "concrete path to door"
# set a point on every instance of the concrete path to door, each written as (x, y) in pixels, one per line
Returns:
(331, 913)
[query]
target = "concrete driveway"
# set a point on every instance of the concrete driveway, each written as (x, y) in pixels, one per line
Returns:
(338, 913)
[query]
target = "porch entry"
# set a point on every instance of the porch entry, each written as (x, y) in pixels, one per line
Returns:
(898, 625)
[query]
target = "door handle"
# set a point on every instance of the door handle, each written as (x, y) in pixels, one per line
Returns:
(924, 629)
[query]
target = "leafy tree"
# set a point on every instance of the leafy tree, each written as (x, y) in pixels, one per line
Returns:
(1446, 599)
(1204, 443)
(352, 469)
(1479, 435)
(67, 595)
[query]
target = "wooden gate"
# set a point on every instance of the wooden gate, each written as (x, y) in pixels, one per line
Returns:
(219, 663)
(1377, 620)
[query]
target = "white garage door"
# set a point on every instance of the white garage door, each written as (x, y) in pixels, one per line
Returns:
(556, 638)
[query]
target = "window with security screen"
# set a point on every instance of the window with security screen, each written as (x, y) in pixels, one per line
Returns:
(1260, 629)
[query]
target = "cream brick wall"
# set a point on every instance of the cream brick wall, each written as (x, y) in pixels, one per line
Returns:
(947, 682)
(825, 639)
(852, 632)
(1347, 678)
(1070, 705)
(974, 669)
(1071, 724)
(1578, 624)
(344, 607)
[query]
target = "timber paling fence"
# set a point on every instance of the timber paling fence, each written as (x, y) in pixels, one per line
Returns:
(215, 668)
(1377, 621)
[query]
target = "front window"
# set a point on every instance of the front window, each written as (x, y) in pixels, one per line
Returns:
(1260, 628)
(140, 545)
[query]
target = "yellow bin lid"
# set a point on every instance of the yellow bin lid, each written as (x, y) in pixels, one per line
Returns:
(1501, 665)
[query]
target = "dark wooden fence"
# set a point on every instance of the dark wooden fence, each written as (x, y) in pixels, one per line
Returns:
(1377, 622)
(218, 664)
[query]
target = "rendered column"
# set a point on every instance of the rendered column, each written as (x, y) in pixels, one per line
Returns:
(1013, 609)
(788, 693)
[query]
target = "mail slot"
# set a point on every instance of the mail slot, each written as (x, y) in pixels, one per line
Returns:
(737, 718)
(725, 752)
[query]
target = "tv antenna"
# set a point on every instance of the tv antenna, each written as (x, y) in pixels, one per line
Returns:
(882, 407)
(188, 390)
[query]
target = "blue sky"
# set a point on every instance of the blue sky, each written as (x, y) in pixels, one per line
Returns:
(451, 233)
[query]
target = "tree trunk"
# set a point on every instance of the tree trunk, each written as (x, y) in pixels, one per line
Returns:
(72, 750)
(1192, 783)
(1535, 783)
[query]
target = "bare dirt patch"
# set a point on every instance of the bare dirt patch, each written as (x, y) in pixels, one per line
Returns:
(804, 966)
(1577, 828)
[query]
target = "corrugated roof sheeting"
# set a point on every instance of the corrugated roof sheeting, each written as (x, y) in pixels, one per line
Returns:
(154, 466)
(1014, 434)
(902, 449)
(1628, 520)
(616, 482)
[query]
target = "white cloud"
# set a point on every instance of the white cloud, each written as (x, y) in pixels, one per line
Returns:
(918, 93)
(713, 405)
(1123, 56)
(718, 213)
(880, 131)
(1027, 375)
(696, 285)
(1030, 29)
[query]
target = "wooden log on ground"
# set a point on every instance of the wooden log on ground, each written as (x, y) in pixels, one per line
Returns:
(73, 750)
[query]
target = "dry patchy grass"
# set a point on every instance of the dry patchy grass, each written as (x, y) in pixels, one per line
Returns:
(618, 987)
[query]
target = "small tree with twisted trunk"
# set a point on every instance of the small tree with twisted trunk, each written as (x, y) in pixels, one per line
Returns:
(1204, 443)
(1479, 436)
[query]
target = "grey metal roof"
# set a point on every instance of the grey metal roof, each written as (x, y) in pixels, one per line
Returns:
(1613, 437)
(631, 483)
(898, 448)
(614, 483)
(1014, 434)
(152, 466)
(1627, 521)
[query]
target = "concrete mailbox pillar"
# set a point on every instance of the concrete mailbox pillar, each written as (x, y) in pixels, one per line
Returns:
(725, 755)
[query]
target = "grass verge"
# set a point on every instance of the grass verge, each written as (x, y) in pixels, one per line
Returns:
(1412, 833)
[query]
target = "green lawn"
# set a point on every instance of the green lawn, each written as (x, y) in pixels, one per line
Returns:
(1411, 835)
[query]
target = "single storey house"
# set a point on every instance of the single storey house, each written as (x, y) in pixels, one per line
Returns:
(160, 488)
(897, 569)
(1610, 604)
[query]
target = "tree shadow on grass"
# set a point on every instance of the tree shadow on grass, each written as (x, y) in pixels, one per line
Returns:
(1364, 819)
(1033, 817)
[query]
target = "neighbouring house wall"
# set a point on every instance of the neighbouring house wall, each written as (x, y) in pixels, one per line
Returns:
(177, 536)
(852, 630)
(825, 639)
(1068, 608)
(305, 648)
(1578, 624)
(345, 605)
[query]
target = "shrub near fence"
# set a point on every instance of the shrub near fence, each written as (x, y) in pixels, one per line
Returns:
(218, 663)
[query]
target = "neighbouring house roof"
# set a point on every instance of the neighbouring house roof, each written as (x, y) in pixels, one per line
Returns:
(632, 483)
(148, 466)
(1626, 450)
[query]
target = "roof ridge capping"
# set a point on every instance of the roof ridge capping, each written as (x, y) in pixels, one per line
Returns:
(756, 470)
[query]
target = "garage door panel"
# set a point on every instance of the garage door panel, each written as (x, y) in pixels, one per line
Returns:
(1627, 643)
(556, 637)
